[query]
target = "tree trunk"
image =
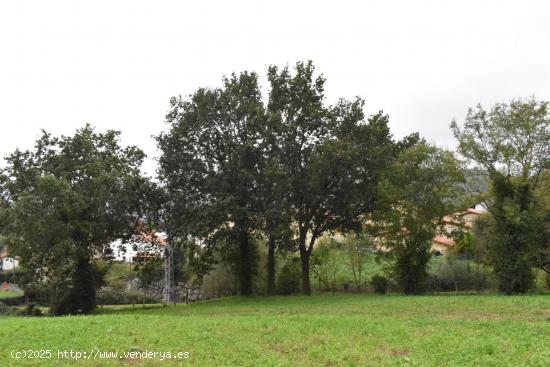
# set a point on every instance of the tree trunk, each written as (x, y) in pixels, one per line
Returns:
(245, 271)
(304, 257)
(83, 292)
(271, 266)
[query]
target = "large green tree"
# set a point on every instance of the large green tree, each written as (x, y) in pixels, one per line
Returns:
(542, 221)
(275, 209)
(419, 188)
(63, 202)
(211, 164)
(511, 143)
(331, 155)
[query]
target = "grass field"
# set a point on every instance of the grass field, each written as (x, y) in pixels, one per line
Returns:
(322, 330)
(10, 294)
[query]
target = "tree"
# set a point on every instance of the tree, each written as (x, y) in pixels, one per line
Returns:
(511, 143)
(211, 164)
(326, 264)
(275, 208)
(63, 203)
(420, 187)
(148, 272)
(542, 220)
(355, 251)
(330, 155)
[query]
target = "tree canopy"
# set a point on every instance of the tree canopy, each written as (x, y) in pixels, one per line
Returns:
(332, 156)
(511, 143)
(210, 163)
(418, 190)
(63, 202)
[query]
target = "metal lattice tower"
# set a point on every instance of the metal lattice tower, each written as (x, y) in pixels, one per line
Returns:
(169, 274)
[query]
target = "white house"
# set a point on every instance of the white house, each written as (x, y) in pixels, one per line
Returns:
(142, 246)
(7, 262)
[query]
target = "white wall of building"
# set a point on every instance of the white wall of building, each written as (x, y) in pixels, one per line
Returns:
(8, 263)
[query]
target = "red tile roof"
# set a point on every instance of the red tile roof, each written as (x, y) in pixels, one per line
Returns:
(444, 240)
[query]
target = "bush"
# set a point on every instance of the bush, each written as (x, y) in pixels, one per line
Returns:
(8, 310)
(290, 277)
(541, 281)
(379, 283)
(220, 281)
(461, 275)
(29, 309)
(120, 287)
(326, 264)
(10, 277)
(115, 296)
(14, 301)
(37, 294)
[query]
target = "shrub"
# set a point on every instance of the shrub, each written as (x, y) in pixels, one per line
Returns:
(37, 294)
(326, 262)
(116, 296)
(219, 281)
(29, 309)
(461, 275)
(9, 276)
(379, 283)
(14, 301)
(8, 310)
(290, 276)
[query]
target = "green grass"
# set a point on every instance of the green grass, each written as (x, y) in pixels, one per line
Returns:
(322, 330)
(10, 294)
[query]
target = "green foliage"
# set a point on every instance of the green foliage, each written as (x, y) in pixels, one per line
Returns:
(464, 243)
(419, 189)
(220, 280)
(276, 218)
(511, 142)
(289, 279)
(149, 272)
(356, 249)
(12, 276)
(234, 169)
(121, 283)
(330, 269)
(210, 161)
(379, 283)
(63, 203)
(462, 275)
(327, 261)
(28, 309)
(331, 156)
(31, 310)
(114, 296)
(77, 293)
(541, 216)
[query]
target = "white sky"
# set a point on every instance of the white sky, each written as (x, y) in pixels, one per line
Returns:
(115, 64)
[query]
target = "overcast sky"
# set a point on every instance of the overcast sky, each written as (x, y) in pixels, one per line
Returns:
(115, 64)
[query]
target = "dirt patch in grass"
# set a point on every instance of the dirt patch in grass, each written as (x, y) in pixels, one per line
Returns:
(400, 353)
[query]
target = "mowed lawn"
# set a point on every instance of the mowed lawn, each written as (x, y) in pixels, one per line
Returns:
(10, 294)
(321, 330)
